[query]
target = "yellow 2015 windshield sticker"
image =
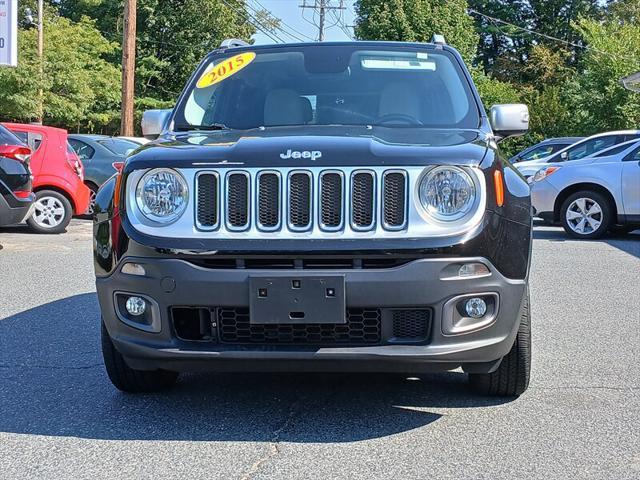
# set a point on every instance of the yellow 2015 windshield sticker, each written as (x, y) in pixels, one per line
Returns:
(225, 69)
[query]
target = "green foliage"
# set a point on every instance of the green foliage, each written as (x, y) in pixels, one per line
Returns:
(172, 37)
(80, 86)
(417, 21)
(614, 53)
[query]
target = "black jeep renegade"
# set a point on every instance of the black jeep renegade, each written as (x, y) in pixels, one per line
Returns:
(326, 207)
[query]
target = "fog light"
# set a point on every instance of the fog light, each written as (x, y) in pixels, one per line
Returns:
(475, 307)
(136, 306)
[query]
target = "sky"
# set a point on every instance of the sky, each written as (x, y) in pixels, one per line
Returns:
(292, 21)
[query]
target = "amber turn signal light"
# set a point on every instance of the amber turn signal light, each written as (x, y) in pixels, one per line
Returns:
(499, 186)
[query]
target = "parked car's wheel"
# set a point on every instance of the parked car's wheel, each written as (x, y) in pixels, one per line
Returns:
(127, 379)
(512, 376)
(92, 198)
(586, 214)
(52, 212)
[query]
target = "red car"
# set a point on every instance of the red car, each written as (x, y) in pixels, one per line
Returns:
(58, 177)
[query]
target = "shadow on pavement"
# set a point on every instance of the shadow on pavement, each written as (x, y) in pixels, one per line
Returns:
(627, 242)
(52, 382)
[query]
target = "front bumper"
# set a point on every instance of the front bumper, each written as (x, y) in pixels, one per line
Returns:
(543, 199)
(419, 283)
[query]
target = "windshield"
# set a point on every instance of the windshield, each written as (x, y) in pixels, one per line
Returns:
(119, 147)
(330, 85)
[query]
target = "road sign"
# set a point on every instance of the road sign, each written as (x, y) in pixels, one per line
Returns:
(9, 33)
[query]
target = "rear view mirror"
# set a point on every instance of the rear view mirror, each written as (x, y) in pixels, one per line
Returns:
(509, 120)
(154, 122)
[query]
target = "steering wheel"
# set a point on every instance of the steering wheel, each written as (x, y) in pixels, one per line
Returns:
(399, 118)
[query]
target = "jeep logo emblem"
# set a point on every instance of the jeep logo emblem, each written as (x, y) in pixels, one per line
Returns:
(313, 155)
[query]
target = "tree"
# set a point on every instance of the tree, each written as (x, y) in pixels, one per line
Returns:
(614, 52)
(81, 88)
(417, 21)
(173, 36)
(504, 49)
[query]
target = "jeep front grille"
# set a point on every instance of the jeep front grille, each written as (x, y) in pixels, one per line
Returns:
(363, 200)
(238, 200)
(302, 200)
(207, 201)
(394, 187)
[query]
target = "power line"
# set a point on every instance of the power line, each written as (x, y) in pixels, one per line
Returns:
(341, 24)
(321, 7)
(548, 37)
(256, 23)
(286, 29)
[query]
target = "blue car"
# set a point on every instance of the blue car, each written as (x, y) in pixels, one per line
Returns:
(98, 153)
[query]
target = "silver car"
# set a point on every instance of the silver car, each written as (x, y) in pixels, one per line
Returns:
(579, 150)
(590, 195)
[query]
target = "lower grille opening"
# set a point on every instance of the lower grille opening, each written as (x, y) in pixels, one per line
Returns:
(411, 325)
(363, 327)
(192, 323)
(312, 263)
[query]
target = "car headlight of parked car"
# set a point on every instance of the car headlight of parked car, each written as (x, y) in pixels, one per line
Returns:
(162, 195)
(447, 193)
(543, 173)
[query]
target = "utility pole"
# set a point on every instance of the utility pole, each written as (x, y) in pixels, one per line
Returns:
(128, 68)
(322, 7)
(40, 118)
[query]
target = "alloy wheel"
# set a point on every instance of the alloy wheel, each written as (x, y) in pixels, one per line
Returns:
(48, 212)
(584, 216)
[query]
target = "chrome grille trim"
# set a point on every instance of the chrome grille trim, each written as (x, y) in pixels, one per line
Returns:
(418, 222)
(216, 200)
(260, 209)
(374, 200)
(384, 202)
(228, 206)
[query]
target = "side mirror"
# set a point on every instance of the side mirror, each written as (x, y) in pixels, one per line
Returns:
(509, 120)
(154, 122)
(564, 155)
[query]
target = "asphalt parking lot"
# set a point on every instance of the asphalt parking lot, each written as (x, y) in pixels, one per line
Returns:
(60, 417)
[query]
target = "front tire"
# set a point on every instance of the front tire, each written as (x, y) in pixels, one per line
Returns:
(586, 214)
(127, 379)
(52, 212)
(511, 379)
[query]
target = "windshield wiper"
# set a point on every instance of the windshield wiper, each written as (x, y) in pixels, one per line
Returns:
(205, 128)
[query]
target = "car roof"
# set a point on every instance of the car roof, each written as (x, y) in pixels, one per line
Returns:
(88, 136)
(563, 139)
(34, 128)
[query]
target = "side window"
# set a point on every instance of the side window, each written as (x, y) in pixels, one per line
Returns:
(613, 151)
(634, 156)
(537, 153)
(24, 136)
(35, 140)
(590, 147)
(83, 150)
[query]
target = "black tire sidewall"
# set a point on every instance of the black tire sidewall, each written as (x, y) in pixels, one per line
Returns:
(606, 214)
(68, 213)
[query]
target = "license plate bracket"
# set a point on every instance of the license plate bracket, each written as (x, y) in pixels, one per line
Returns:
(297, 300)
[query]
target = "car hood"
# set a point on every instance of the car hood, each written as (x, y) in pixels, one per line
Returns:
(531, 163)
(304, 146)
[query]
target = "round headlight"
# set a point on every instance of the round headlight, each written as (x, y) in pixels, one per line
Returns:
(162, 195)
(447, 193)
